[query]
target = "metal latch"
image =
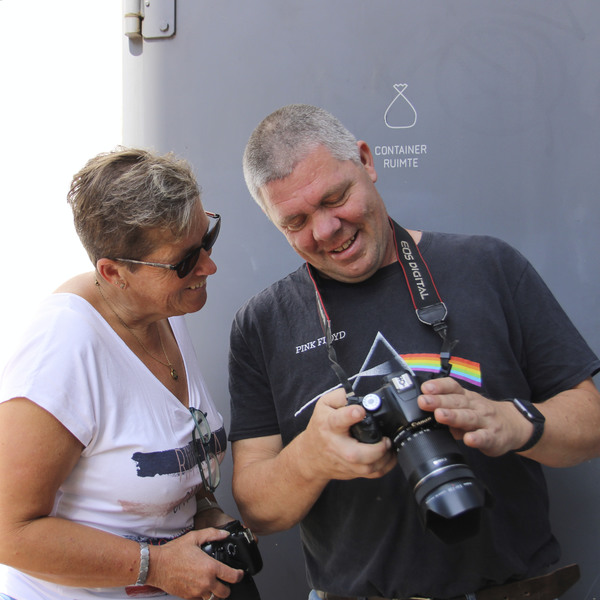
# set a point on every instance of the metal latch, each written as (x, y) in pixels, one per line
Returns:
(149, 19)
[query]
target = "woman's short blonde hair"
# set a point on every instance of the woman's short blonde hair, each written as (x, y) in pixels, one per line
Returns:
(120, 198)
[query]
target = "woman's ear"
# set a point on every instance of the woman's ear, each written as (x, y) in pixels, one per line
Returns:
(112, 272)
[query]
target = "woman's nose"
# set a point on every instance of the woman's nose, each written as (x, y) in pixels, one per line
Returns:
(205, 264)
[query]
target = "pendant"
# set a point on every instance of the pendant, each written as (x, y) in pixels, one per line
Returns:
(174, 374)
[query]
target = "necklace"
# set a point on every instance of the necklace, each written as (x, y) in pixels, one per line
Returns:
(168, 364)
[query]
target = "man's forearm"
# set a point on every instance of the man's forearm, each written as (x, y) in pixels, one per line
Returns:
(275, 486)
(273, 493)
(572, 428)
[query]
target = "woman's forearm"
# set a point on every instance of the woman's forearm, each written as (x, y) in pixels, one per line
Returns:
(70, 554)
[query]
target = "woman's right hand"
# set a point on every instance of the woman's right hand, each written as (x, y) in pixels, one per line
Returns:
(181, 568)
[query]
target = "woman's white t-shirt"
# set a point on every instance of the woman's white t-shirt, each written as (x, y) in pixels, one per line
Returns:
(137, 476)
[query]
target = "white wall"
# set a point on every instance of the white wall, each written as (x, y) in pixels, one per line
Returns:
(60, 104)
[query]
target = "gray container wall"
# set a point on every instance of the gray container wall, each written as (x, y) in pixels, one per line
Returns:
(484, 117)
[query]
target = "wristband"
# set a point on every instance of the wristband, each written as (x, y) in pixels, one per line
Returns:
(205, 504)
(535, 417)
(144, 563)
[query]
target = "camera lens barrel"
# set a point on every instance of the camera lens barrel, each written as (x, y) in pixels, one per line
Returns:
(427, 451)
(448, 494)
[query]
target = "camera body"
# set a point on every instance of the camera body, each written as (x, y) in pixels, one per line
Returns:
(448, 494)
(392, 410)
(239, 550)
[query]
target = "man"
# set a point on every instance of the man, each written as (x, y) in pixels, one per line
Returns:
(295, 458)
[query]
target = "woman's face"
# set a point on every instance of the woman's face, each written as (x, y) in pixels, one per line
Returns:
(159, 293)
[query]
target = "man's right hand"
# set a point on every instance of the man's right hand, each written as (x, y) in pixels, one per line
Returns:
(330, 450)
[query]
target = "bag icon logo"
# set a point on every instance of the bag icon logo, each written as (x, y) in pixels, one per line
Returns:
(400, 114)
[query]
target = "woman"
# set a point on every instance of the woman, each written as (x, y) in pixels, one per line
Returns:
(109, 441)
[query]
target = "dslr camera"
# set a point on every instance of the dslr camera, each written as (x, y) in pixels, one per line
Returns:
(238, 551)
(449, 496)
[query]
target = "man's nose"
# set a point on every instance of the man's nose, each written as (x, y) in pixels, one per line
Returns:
(325, 225)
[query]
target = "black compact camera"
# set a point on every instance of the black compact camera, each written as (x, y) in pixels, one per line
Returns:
(239, 551)
(448, 494)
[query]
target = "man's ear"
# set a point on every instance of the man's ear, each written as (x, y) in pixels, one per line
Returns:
(366, 158)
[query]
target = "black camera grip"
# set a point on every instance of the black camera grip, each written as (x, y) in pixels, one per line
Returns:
(239, 550)
(244, 590)
(366, 431)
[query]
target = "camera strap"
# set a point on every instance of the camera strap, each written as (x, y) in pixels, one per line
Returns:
(326, 325)
(428, 305)
(429, 308)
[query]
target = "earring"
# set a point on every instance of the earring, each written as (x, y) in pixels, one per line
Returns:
(122, 285)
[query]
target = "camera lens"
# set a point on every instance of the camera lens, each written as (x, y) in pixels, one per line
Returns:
(448, 494)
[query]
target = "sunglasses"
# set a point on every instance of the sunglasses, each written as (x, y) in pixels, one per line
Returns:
(207, 461)
(189, 261)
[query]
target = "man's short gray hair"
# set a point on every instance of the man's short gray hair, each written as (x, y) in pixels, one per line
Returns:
(286, 137)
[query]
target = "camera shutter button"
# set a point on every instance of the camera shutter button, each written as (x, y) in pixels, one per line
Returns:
(371, 402)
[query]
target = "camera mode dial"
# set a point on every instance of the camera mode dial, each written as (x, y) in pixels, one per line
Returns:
(371, 402)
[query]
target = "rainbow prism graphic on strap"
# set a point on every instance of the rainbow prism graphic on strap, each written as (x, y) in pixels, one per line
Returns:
(464, 369)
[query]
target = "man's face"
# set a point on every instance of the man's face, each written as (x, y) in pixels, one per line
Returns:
(332, 215)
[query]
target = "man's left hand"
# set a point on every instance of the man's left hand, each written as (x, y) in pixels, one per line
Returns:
(493, 427)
